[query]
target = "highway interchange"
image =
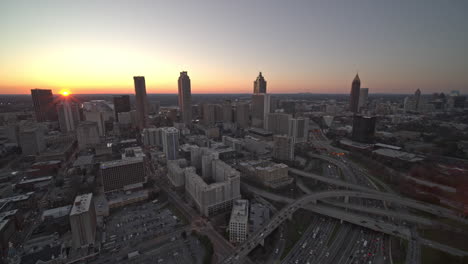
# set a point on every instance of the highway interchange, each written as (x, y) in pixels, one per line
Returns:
(335, 241)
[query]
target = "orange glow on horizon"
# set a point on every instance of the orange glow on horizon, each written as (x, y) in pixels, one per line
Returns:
(65, 92)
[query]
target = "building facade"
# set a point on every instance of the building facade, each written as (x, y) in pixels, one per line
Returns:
(354, 96)
(44, 106)
(141, 101)
(170, 142)
(260, 85)
(87, 134)
(238, 223)
(364, 128)
(185, 98)
(121, 105)
(83, 221)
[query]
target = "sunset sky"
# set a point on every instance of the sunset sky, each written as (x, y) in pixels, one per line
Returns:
(312, 46)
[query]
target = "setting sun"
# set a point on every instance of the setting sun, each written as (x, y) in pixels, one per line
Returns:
(65, 92)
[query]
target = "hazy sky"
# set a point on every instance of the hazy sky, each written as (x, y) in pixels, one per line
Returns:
(300, 46)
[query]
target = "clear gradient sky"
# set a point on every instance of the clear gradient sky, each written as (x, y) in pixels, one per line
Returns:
(300, 46)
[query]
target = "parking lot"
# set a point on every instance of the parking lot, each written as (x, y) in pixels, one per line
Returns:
(175, 251)
(135, 224)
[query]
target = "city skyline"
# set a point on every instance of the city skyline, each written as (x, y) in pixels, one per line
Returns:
(305, 47)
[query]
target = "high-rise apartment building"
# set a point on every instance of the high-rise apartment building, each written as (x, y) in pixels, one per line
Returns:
(238, 223)
(260, 85)
(31, 139)
(363, 96)
(170, 142)
(242, 115)
(116, 174)
(83, 221)
(68, 115)
(283, 148)
(141, 101)
(87, 134)
(227, 111)
(218, 197)
(260, 107)
(121, 105)
(277, 123)
(299, 129)
(185, 98)
(209, 114)
(152, 137)
(354, 98)
(44, 106)
(364, 128)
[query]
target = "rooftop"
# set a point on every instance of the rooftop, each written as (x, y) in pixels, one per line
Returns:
(121, 162)
(240, 211)
(57, 212)
(391, 153)
(83, 161)
(82, 204)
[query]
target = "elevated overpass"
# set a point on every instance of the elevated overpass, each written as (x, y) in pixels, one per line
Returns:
(305, 202)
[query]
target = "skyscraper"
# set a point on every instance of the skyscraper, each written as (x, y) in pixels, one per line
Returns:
(260, 84)
(44, 107)
(227, 111)
(363, 128)
(242, 114)
(83, 221)
(68, 114)
(299, 129)
(260, 107)
(170, 142)
(417, 96)
(363, 95)
(141, 101)
(185, 98)
(121, 104)
(354, 99)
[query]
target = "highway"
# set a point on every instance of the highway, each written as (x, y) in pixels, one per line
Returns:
(242, 250)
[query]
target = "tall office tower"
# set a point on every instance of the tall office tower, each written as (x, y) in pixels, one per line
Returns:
(354, 98)
(283, 147)
(417, 96)
(44, 106)
(116, 174)
(238, 224)
(152, 136)
(87, 134)
(121, 105)
(363, 96)
(364, 128)
(227, 111)
(299, 129)
(170, 142)
(31, 139)
(209, 114)
(242, 114)
(260, 84)
(68, 115)
(83, 221)
(141, 101)
(260, 107)
(277, 123)
(185, 98)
